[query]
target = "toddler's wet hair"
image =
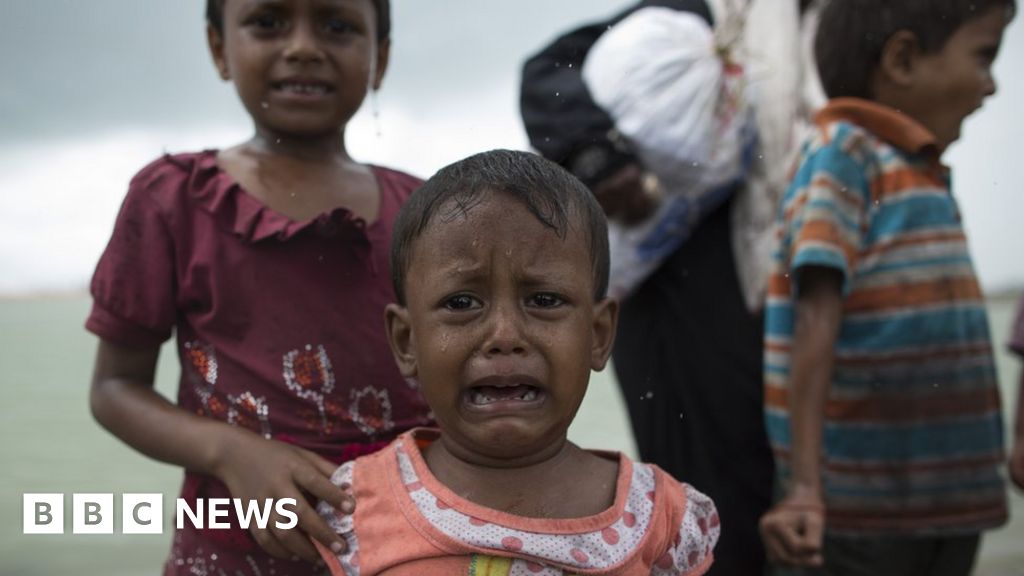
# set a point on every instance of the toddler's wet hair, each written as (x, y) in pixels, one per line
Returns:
(215, 17)
(557, 198)
(853, 33)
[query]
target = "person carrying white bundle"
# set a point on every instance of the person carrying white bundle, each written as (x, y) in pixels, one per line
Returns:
(708, 100)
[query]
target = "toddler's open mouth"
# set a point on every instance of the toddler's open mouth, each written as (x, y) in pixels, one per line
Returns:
(485, 395)
(505, 392)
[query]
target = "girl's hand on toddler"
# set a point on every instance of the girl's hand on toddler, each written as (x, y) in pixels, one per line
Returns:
(794, 529)
(254, 468)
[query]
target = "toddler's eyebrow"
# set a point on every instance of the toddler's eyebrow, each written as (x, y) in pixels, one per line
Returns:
(462, 267)
(546, 277)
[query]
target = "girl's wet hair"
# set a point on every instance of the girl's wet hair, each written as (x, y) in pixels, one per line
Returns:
(853, 33)
(557, 198)
(215, 17)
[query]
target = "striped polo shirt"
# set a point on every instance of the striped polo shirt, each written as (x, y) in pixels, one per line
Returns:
(913, 434)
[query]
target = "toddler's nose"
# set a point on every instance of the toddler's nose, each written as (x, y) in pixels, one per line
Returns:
(505, 334)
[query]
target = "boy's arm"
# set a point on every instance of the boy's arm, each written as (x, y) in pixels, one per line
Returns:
(123, 400)
(793, 530)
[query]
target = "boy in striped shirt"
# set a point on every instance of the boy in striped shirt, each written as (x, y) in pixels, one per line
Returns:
(881, 398)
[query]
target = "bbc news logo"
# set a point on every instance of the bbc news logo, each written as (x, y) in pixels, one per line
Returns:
(144, 513)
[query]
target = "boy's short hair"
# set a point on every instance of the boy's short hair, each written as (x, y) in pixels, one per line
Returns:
(215, 17)
(557, 198)
(852, 34)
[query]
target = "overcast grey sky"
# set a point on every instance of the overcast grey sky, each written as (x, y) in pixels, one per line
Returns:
(94, 89)
(84, 66)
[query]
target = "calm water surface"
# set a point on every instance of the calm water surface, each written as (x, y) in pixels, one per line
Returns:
(49, 443)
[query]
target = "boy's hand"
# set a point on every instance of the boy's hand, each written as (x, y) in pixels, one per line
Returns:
(1016, 464)
(254, 468)
(794, 529)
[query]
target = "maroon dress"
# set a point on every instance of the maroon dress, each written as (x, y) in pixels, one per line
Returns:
(279, 325)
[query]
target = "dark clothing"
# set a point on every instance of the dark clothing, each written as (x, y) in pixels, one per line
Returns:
(887, 556)
(688, 359)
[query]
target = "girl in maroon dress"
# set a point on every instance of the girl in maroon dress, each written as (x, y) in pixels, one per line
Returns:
(268, 262)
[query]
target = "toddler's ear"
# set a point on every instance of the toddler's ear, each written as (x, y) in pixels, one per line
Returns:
(605, 320)
(401, 339)
(215, 40)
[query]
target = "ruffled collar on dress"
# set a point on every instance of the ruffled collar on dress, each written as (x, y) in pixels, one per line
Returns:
(240, 213)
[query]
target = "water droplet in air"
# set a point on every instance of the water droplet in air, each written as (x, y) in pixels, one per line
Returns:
(649, 395)
(264, 105)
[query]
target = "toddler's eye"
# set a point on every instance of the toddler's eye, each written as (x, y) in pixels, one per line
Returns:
(461, 302)
(545, 300)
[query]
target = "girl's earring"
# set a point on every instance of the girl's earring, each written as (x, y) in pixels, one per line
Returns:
(375, 108)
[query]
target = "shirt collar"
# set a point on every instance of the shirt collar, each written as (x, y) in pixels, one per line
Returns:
(887, 123)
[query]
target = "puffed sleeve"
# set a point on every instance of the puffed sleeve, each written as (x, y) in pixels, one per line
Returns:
(133, 288)
(690, 553)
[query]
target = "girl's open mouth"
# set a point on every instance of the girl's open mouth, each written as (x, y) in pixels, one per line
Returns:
(298, 88)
